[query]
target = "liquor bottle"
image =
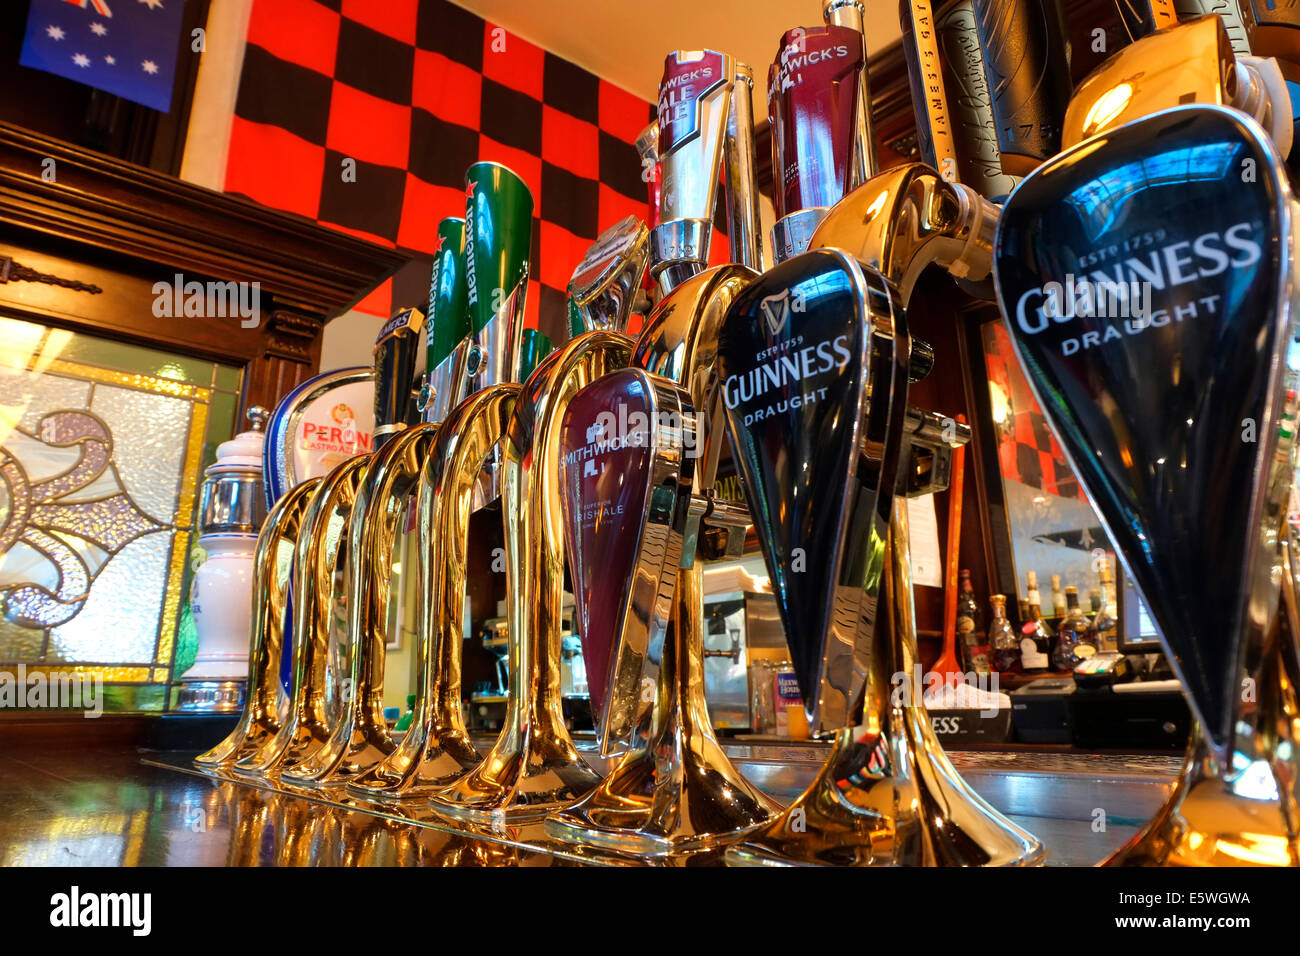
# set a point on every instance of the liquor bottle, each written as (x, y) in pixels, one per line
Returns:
(1104, 621)
(1002, 637)
(974, 641)
(1075, 640)
(1035, 635)
(1058, 599)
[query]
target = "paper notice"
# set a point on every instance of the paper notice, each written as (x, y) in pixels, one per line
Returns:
(923, 534)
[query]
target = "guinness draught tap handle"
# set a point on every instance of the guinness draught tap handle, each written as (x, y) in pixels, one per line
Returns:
(1028, 72)
(396, 350)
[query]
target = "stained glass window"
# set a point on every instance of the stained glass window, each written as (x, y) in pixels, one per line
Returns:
(102, 448)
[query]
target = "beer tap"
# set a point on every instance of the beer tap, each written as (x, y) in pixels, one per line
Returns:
(320, 693)
(359, 737)
(265, 704)
(637, 523)
(849, 615)
(823, 459)
(316, 688)
(818, 102)
(1149, 411)
(534, 767)
(698, 124)
(675, 788)
(437, 749)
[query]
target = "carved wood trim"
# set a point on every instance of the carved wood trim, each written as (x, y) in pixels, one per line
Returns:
(52, 188)
(87, 219)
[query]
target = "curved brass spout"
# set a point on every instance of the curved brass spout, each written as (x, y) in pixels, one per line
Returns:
(360, 739)
(678, 790)
(265, 704)
(437, 749)
(319, 555)
(888, 794)
(906, 219)
(533, 767)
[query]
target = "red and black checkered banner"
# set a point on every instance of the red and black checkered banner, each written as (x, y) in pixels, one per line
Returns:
(364, 115)
(1027, 450)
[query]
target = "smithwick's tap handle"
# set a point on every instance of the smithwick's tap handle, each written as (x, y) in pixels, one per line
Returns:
(814, 106)
(849, 13)
(743, 223)
(396, 351)
(1028, 72)
(694, 112)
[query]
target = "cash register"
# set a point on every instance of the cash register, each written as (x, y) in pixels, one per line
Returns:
(1123, 698)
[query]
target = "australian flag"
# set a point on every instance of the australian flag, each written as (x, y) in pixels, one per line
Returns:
(124, 47)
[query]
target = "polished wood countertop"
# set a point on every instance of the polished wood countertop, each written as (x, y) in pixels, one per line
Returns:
(114, 805)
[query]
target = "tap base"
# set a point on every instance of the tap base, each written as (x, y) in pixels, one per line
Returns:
(529, 773)
(442, 760)
(1249, 815)
(923, 814)
(1206, 824)
(701, 802)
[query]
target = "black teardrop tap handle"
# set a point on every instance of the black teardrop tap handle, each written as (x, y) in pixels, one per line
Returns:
(397, 350)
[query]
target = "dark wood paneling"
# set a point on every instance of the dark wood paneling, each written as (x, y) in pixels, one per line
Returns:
(91, 118)
(123, 228)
